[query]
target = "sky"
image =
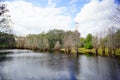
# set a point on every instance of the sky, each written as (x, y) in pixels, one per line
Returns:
(37, 16)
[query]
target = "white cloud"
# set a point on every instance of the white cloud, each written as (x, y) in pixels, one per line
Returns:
(94, 16)
(29, 18)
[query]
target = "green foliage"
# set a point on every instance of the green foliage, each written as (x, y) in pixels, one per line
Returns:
(7, 40)
(81, 43)
(88, 45)
(54, 36)
(88, 38)
(45, 41)
(88, 42)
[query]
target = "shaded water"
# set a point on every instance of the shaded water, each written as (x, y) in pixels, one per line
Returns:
(29, 65)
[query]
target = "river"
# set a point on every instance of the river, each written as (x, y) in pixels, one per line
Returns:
(29, 65)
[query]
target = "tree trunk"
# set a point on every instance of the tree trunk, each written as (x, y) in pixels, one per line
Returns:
(77, 51)
(96, 51)
(69, 51)
(109, 51)
(114, 51)
(103, 50)
(65, 51)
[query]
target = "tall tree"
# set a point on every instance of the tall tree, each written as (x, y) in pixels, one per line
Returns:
(103, 40)
(112, 37)
(95, 42)
(71, 40)
(117, 38)
(68, 42)
(116, 16)
(54, 36)
(76, 37)
(5, 21)
(45, 44)
(111, 42)
(20, 42)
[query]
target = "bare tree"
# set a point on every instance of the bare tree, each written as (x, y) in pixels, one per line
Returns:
(116, 16)
(103, 40)
(117, 38)
(68, 42)
(35, 42)
(5, 21)
(76, 37)
(95, 42)
(20, 42)
(45, 44)
(111, 41)
(112, 37)
(71, 40)
(39, 42)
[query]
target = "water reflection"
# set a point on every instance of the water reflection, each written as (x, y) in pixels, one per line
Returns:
(99, 68)
(29, 65)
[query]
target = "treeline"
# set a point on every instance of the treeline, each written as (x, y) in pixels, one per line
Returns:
(7, 40)
(107, 40)
(52, 40)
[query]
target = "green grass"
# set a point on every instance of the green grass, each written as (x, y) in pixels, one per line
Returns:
(118, 52)
(84, 51)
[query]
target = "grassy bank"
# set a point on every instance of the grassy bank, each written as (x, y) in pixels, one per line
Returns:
(84, 51)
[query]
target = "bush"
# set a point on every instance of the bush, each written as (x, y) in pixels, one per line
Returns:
(88, 46)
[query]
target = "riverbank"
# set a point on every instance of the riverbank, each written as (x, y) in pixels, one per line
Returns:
(80, 51)
(92, 51)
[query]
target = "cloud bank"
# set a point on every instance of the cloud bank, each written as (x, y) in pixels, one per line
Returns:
(29, 19)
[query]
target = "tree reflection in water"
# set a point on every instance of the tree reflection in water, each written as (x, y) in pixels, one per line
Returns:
(29, 65)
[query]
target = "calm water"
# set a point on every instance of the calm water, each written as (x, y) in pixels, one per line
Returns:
(29, 65)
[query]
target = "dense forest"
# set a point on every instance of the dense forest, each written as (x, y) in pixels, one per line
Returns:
(106, 42)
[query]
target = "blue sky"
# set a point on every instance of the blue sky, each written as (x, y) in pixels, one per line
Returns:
(77, 4)
(43, 15)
